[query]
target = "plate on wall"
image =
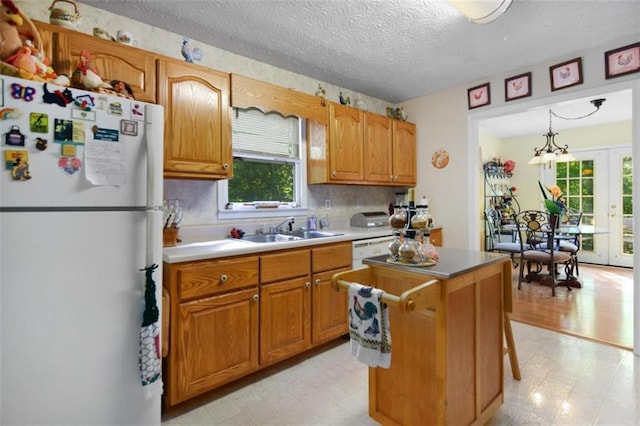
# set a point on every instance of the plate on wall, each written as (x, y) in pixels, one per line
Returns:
(440, 159)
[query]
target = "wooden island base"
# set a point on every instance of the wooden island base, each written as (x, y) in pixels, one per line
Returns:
(447, 330)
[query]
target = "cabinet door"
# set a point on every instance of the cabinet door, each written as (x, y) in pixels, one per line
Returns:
(377, 148)
(329, 308)
(435, 237)
(112, 61)
(346, 143)
(404, 153)
(216, 341)
(197, 142)
(285, 328)
(46, 32)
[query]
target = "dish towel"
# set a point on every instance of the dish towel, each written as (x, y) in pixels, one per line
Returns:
(369, 326)
(149, 357)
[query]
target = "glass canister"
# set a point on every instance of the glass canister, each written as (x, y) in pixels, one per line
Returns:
(394, 246)
(398, 219)
(428, 250)
(421, 219)
(408, 251)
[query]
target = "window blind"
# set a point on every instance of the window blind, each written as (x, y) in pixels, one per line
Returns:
(268, 134)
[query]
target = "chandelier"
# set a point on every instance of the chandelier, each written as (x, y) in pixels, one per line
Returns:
(552, 151)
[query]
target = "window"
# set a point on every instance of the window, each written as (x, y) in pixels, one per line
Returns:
(576, 180)
(268, 166)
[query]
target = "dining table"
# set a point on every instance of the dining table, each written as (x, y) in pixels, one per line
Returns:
(565, 232)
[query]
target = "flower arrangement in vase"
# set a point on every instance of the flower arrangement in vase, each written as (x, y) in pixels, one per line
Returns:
(555, 205)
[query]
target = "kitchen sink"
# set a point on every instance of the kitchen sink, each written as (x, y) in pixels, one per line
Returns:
(287, 236)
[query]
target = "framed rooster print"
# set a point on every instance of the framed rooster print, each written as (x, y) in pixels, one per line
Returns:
(622, 61)
(479, 96)
(566, 74)
(517, 87)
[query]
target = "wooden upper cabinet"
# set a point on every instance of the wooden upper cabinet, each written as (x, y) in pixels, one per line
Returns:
(113, 61)
(346, 127)
(362, 148)
(247, 92)
(404, 153)
(378, 148)
(46, 32)
(197, 141)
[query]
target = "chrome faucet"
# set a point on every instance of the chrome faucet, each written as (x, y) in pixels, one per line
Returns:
(278, 228)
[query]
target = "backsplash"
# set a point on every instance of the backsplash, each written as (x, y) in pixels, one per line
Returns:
(198, 199)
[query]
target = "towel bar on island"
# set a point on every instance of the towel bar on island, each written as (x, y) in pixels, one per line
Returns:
(422, 296)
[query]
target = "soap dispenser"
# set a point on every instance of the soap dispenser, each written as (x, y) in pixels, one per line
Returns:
(312, 222)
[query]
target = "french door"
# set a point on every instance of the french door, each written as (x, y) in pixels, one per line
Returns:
(599, 183)
(621, 207)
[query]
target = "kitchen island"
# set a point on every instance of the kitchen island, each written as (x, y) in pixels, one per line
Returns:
(448, 323)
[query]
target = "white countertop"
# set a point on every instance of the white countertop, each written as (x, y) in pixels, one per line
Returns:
(198, 250)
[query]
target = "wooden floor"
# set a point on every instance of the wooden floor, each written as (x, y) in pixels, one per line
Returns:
(602, 310)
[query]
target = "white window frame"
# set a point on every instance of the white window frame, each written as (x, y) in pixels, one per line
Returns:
(300, 193)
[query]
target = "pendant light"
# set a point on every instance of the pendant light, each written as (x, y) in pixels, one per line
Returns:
(551, 151)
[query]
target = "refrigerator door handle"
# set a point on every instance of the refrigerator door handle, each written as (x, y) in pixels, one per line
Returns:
(154, 134)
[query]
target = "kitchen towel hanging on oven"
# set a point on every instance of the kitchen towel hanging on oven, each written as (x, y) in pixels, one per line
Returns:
(369, 326)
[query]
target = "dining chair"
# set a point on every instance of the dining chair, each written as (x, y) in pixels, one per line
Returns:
(535, 230)
(494, 243)
(570, 243)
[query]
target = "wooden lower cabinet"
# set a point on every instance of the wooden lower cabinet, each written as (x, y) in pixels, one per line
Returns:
(217, 342)
(285, 329)
(447, 354)
(230, 317)
(328, 306)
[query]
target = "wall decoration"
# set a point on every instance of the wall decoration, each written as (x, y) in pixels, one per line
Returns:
(129, 127)
(479, 96)
(517, 87)
(622, 61)
(440, 159)
(566, 74)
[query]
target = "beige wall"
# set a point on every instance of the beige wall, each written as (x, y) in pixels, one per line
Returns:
(444, 121)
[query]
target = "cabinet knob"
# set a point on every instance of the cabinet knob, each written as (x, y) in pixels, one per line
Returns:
(225, 166)
(255, 297)
(317, 281)
(307, 284)
(224, 278)
(334, 173)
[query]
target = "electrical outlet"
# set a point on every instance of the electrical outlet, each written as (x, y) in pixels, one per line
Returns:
(327, 204)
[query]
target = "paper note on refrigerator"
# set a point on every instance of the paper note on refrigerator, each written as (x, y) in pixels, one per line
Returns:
(105, 162)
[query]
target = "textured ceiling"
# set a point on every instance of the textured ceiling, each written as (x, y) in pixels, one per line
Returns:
(393, 50)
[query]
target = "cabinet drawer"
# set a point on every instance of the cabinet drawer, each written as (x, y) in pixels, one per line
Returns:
(218, 276)
(284, 265)
(331, 256)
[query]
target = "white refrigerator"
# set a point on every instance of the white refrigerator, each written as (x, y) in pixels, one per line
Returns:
(80, 217)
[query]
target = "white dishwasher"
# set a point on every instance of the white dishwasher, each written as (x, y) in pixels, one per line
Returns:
(368, 248)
